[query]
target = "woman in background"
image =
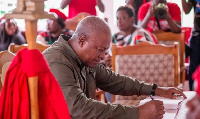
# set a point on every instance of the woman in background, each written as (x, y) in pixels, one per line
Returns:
(129, 33)
(9, 33)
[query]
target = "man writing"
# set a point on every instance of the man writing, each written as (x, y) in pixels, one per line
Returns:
(75, 64)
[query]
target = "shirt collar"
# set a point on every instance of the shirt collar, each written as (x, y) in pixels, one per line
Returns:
(63, 39)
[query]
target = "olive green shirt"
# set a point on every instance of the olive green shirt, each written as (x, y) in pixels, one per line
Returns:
(79, 83)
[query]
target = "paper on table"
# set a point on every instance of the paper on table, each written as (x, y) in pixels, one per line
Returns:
(171, 104)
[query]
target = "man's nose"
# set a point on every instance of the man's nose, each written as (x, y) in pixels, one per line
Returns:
(102, 55)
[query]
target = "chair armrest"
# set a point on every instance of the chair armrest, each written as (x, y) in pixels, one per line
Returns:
(100, 95)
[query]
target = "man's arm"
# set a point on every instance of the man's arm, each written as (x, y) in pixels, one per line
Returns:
(144, 17)
(79, 105)
(100, 5)
(174, 18)
(64, 3)
(175, 26)
(114, 83)
(187, 6)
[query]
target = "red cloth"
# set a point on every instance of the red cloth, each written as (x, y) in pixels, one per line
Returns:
(196, 77)
(173, 10)
(59, 13)
(77, 6)
(14, 99)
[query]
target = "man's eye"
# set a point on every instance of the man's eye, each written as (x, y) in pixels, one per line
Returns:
(100, 50)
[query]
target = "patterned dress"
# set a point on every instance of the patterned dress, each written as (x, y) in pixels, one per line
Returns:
(137, 36)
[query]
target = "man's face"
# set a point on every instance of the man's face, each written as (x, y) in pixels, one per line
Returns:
(94, 49)
(194, 108)
(123, 20)
(52, 26)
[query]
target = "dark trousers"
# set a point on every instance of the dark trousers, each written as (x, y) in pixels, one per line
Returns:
(194, 58)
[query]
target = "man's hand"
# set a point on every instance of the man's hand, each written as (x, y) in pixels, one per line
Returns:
(151, 110)
(169, 92)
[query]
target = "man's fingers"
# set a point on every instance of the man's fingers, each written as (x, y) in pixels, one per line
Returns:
(158, 102)
(179, 92)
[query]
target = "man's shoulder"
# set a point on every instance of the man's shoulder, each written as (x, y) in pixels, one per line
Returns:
(143, 9)
(172, 5)
(55, 53)
(145, 5)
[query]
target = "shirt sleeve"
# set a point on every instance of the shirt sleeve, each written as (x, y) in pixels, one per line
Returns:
(81, 107)
(118, 84)
(19, 39)
(174, 11)
(143, 11)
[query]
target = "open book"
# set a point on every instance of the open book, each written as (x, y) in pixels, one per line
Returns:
(175, 108)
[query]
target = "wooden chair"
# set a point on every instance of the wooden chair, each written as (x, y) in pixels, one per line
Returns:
(168, 38)
(146, 62)
(15, 48)
(5, 56)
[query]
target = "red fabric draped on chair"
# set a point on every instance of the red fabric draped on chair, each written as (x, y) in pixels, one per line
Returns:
(14, 99)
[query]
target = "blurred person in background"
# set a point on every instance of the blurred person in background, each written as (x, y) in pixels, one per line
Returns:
(160, 15)
(9, 33)
(78, 6)
(194, 103)
(136, 5)
(55, 27)
(194, 40)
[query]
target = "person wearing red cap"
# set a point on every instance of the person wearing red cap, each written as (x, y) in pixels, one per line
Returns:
(78, 6)
(54, 29)
(194, 103)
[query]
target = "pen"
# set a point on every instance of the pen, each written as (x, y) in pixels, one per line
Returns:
(151, 97)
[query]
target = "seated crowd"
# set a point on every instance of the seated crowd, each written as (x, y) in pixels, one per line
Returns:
(80, 62)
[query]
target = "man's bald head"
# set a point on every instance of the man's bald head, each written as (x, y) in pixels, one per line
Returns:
(91, 40)
(92, 26)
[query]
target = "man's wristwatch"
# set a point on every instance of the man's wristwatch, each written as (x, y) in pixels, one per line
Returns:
(153, 91)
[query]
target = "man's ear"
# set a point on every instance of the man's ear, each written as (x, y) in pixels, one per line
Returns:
(82, 40)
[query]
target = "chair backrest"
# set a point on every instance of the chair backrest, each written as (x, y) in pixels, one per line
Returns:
(5, 56)
(168, 38)
(148, 62)
(152, 63)
(15, 48)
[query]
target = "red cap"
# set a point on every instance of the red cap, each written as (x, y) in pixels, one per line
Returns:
(59, 13)
(196, 77)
